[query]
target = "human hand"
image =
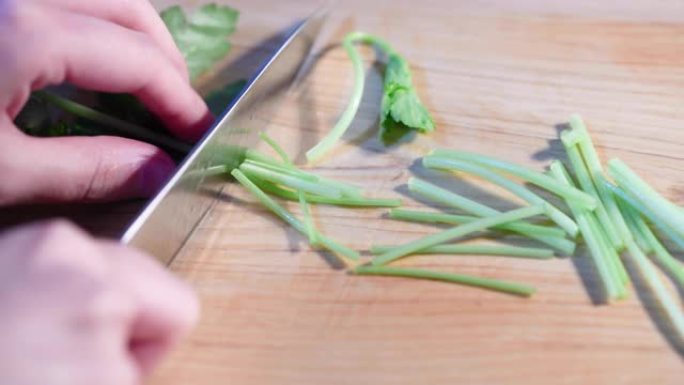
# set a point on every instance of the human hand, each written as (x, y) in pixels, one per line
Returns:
(103, 45)
(77, 311)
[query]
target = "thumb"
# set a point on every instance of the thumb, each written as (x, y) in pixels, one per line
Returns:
(85, 169)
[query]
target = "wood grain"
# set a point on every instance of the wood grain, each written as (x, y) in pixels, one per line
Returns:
(499, 77)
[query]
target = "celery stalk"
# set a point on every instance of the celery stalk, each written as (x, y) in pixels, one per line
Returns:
(583, 199)
(485, 283)
(457, 232)
(493, 250)
(448, 198)
(452, 219)
(291, 219)
(560, 218)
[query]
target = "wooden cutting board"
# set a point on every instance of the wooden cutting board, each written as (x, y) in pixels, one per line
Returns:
(499, 78)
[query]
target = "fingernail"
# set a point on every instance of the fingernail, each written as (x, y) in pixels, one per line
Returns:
(154, 174)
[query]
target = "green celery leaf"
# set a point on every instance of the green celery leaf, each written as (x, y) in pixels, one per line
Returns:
(202, 36)
(401, 111)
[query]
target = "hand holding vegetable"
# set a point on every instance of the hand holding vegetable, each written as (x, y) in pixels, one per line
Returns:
(103, 45)
(78, 311)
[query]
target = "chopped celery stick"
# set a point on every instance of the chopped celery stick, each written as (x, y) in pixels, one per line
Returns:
(276, 147)
(308, 220)
(287, 170)
(591, 159)
(346, 189)
(598, 252)
(557, 216)
(653, 281)
(344, 201)
(587, 186)
(451, 219)
(262, 158)
(635, 186)
(539, 179)
(625, 197)
(502, 250)
(291, 219)
(347, 116)
(292, 182)
(639, 228)
(457, 232)
(485, 283)
(440, 195)
(617, 268)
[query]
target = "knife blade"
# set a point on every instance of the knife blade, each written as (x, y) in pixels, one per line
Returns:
(171, 216)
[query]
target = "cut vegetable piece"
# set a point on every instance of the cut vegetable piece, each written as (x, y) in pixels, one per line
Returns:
(327, 143)
(583, 199)
(457, 232)
(308, 220)
(655, 284)
(485, 283)
(290, 181)
(276, 147)
(625, 197)
(557, 216)
(646, 195)
(291, 219)
(598, 251)
(401, 111)
(448, 198)
(663, 257)
(587, 185)
(344, 201)
(452, 219)
(494, 250)
(593, 163)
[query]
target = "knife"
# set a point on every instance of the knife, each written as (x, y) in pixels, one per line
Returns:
(168, 220)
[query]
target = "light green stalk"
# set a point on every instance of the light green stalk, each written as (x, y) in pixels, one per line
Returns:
(291, 219)
(457, 232)
(493, 250)
(539, 179)
(598, 249)
(485, 283)
(557, 216)
(452, 219)
(448, 198)
(585, 182)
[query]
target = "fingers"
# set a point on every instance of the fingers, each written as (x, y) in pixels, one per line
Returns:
(137, 15)
(79, 169)
(166, 307)
(95, 54)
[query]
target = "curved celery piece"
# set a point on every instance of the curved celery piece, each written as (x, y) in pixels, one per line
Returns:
(493, 250)
(539, 179)
(347, 116)
(485, 283)
(448, 198)
(599, 251)
(457, 232)
(452, 219)
(291, 219)
(560, 218)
